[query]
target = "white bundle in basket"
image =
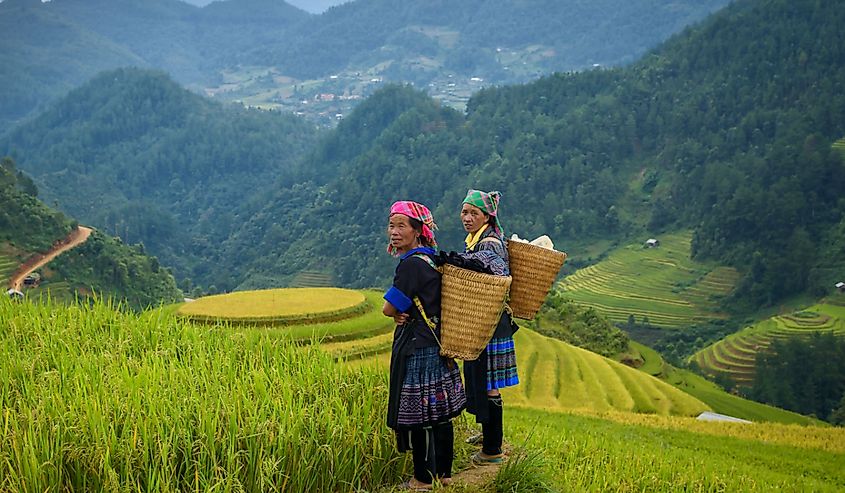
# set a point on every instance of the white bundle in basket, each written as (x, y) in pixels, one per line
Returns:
(541, 241)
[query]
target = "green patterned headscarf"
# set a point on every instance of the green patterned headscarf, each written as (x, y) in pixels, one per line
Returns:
(487, 202)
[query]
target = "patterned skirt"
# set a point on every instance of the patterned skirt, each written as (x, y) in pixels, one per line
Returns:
(501, 363)
(431, 392)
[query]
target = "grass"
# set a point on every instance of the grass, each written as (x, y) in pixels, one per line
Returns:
(735, 355)
(630, 452)
(662, 283)
(653, 363)
(94, 399)
(284, 306)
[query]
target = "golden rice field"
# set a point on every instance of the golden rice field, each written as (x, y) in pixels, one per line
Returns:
(559, 377)
(735, 355)
(283, 306)
(661, 283)
(95, 399)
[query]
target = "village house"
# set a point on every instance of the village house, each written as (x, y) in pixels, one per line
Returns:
(652, 243)
(840, 286)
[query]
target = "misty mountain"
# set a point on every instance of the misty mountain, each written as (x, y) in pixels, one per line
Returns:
(51, 47)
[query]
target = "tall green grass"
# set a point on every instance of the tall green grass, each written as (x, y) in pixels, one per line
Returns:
(94, 399)
(587, 454)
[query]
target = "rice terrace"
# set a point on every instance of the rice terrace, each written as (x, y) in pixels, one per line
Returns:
(162, 403)
(735, 356)
(661, 284)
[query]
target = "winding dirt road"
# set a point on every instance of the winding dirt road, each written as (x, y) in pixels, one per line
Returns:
(76, 237)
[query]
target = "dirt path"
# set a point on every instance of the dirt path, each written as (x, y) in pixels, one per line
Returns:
(75, 238)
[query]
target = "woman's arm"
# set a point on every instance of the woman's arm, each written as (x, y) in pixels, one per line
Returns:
(390, 311)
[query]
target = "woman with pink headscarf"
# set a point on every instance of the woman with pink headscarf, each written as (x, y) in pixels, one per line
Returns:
(426, 391)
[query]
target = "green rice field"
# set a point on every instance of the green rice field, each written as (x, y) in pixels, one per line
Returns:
(7, 268)
(839, 145)
(662, 284)
(735, 355)
(96, 399)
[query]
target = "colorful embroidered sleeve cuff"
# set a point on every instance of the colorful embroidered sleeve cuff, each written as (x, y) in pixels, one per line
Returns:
(398, 299)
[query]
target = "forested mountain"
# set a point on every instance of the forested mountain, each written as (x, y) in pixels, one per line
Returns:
(50, 47)
(25, 222)
(136, 155)
(726, 129)
(102, 265)
(476, 37)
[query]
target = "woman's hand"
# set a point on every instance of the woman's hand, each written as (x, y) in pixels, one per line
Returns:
(390, 311)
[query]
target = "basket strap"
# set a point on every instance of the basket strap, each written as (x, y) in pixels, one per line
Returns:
(431, 325)
(426, 258)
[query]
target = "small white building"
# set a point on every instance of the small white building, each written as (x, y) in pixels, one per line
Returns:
(709, 416)
(14, 294)
(652, 243)
(840, 286)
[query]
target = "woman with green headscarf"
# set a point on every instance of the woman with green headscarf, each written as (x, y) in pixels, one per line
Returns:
(495, 368)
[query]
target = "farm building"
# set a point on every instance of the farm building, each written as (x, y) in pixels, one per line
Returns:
(14, 294)
(840, 286)
(652, 243)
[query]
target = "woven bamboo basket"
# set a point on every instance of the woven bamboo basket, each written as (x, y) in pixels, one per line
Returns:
(470, 307)
(534, 269)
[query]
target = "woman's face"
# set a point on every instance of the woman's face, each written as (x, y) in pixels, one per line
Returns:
(403, 237)
(473, 218)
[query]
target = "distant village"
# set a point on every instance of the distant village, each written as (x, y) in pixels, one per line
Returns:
(326, 101)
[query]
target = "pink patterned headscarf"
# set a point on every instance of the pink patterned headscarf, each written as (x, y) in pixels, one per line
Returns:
(420, 213)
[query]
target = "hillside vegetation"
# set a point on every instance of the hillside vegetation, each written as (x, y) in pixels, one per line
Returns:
(136, 155)
(102, 266)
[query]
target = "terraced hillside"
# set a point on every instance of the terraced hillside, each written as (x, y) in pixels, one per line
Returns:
(556, 376)
(660, 283)
(839, 145)
(735, 355)
(7, 267)
(312, 279)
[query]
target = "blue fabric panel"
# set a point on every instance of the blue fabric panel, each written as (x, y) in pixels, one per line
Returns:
(398, 299)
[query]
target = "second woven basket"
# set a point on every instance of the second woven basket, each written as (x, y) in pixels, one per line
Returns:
(534, 269)
(470, 307)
